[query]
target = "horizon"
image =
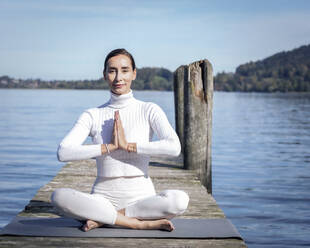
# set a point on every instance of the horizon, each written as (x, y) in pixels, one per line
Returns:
(153, 67)
(69, 40)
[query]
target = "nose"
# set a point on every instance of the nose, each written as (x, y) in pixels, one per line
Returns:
(119, 76)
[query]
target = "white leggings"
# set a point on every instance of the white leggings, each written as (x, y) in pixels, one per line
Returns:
(134, 194)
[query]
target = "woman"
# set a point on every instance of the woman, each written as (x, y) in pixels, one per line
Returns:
(122, 129)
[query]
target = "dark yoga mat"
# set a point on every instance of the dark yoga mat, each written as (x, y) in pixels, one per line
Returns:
(66, 227)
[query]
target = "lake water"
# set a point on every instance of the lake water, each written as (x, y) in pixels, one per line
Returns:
(260, 149)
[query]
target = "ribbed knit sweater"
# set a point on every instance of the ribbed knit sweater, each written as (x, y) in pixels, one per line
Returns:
(140, 121)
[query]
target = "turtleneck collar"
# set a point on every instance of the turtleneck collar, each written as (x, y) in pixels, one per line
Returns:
(121, 101)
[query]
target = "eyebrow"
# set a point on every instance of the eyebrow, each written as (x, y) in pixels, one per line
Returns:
(115, 68)
(123, 67)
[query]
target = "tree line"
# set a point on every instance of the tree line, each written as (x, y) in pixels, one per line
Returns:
(148, 78)
(284, 72)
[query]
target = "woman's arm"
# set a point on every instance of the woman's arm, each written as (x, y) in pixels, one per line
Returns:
(72, 148)
(168, 143)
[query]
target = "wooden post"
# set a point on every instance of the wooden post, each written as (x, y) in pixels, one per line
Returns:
(193, 90)
(180, 75)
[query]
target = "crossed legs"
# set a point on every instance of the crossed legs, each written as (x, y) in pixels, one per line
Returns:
(152, 212)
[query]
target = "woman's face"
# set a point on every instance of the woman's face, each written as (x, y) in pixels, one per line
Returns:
(119, 74)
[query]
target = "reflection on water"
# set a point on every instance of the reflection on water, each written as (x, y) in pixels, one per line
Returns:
(260, 155)
(260, 162)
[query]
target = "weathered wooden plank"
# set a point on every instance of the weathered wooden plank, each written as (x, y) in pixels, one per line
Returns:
(27, 242)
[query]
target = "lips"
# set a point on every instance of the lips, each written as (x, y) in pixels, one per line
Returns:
(118, 85)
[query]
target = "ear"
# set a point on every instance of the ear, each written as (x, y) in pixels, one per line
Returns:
(134, 74)
(104, 75)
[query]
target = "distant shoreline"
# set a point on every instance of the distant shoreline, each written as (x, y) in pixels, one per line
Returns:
(242, 92)
(282, 72)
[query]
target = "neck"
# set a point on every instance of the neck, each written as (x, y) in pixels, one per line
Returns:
(121, 101)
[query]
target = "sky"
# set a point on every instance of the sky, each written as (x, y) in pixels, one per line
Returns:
(69, 39)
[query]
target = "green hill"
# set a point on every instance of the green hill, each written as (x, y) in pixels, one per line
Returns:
(284, 71)
(148, 78)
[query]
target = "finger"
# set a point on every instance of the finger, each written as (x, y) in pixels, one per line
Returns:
(119, 121)
(115, 128)
(117, 124)
(115, 135)
(118, 116)
(114, 122)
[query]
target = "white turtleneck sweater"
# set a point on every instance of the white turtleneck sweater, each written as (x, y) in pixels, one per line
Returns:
(140, 121)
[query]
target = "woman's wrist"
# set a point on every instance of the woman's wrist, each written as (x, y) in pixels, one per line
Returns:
(111, 147)
(107, 148)
(131, 147)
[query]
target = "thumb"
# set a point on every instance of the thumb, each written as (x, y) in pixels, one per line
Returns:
(116, 115)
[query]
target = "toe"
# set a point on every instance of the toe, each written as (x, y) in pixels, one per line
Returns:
(84, 228)
(171, 226)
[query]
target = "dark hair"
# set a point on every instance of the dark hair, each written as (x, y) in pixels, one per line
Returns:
(116, 52)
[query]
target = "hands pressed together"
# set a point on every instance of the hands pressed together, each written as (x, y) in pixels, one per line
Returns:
(118, 140)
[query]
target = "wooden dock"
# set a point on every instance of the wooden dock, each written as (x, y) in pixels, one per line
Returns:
(166, 174)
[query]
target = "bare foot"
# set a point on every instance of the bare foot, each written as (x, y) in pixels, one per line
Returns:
(162, 224)
(90, 224)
